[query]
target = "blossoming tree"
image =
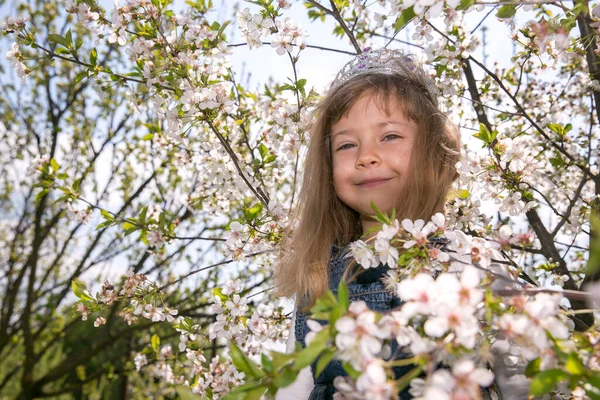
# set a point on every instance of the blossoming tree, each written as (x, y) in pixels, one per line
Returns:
(184, 171)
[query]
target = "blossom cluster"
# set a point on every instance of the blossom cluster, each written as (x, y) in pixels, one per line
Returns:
(135, 288)
(445, 314)
(16, 59)
(256, 27)
(232, 322)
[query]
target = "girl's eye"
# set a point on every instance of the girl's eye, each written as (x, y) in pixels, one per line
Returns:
(345, 146)
(391, 136)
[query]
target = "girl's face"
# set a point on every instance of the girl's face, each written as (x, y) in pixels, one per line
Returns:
(371, 154)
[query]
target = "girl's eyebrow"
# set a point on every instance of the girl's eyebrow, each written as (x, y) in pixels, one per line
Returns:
(342, 132)
(390, 122)
(377, 125)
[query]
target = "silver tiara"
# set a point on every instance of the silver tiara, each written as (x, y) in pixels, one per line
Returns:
(387, 61)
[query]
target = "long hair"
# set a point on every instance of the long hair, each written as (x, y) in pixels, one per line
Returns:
(323, 219)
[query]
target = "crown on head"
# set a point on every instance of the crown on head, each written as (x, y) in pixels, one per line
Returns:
(386, 61)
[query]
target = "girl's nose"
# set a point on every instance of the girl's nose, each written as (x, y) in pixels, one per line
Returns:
(367, 157)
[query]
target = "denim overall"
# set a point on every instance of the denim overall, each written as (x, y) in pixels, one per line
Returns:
(368, 288)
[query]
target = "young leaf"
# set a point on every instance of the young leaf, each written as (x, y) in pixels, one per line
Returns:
(593, 264)
(379, 216)
(247, 391)
(243, 363)
(354, 374)
(506, 11)
(93, 57)
(286, 377)
(308, 355)
(54, 165)
(464, 4)
(343, 296)
(155, 342)
(404, 18)
(267, 364)
(222, 28)
(280, 359)
(574, 366)
(218, 292)
(533, 367)
(263, 150)
(324, 361)
(80, 290)
(543, 382)
(485, 135)
(54, 38)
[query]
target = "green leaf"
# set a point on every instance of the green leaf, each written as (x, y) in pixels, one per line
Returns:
(324, 360)
(104, 224)
(557, 161)
(379, 216)
(263, 150)
(568, 128)
(557, 128)
(218, 292)
(93, 57)
(280, 359)
(533, 367)
(222, 28)
(142, 217)
(464, 4)
(81, 76)
(54, 38)
(80, 290)
(593, 264)
(253, 212)
(309, 354)
(54, 165)
(323, 306)
(243, 363)
(107, 216)
(41, 194)
(343, 296)
(485, 135)
(149, 136)
(69, 38)
(270, 158)
(267, 364)
(286, 377)
(543, 382)
(404, 18)
(592, 389)
(574, 366)
(408, 377)
(185, 393)
(354, 374)
(155, 342)
(247, 391)
(506, 11)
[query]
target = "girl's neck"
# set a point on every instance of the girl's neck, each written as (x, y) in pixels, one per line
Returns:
(367, 222)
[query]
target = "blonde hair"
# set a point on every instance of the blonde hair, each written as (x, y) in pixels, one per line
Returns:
(324, 220)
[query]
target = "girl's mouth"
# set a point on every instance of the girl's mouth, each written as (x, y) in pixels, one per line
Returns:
(373, 182)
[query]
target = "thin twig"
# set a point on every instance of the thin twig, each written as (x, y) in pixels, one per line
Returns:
(310, 46)
(160, 289)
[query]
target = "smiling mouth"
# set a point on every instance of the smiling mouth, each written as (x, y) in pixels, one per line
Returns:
(373, 182)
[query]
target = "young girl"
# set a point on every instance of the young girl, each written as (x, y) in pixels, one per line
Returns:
(379, 136)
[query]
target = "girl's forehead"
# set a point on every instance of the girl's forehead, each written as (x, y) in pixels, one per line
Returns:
(387, 104)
